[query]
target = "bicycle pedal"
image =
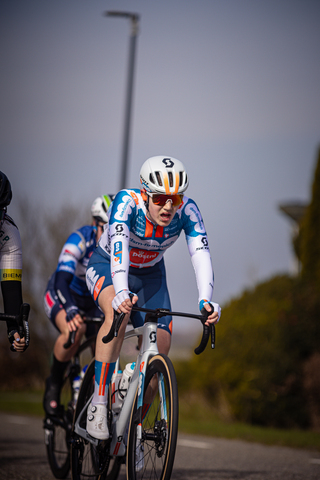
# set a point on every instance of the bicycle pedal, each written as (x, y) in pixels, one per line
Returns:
(74, 441)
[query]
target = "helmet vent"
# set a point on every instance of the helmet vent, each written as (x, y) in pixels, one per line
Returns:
(159, 179)
(170, 179)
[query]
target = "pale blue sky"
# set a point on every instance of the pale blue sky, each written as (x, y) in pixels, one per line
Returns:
(230, 87)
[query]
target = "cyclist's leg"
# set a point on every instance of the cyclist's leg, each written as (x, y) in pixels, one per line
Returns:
(61, 356)
(100, 284)
(163, 341)
(57, 432)
(151, 287)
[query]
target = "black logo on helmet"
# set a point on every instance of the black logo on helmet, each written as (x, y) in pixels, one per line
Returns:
(168, 163)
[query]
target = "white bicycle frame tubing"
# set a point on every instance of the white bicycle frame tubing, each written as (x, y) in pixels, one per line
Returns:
(148, 349)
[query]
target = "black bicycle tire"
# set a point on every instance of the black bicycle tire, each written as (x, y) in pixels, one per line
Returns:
(59, 470)
(157, 364)
(84, 394)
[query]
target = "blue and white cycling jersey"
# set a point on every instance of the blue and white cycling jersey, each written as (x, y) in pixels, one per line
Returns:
(131, 239)
(75, 255)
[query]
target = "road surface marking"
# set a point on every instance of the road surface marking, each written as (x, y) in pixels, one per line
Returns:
(193, 444)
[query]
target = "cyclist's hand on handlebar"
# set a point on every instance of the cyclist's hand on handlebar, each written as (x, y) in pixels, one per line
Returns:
(214, 317)
(73, 318)
(19, 344)
(123, 301)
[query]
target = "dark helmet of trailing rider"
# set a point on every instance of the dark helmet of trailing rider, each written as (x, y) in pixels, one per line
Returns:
(5, 191)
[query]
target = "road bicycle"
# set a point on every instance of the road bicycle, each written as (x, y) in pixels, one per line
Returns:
(22, 323)
(143, 434)
(58, 428)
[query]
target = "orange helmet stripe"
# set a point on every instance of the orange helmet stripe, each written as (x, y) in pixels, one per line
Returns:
(166, 183)
(177, 183)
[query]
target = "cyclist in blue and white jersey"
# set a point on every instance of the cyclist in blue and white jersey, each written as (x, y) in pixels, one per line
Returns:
(10, 264)
(67, 293)
(143, 223)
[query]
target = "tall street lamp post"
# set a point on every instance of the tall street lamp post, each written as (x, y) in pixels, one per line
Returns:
(134, 19)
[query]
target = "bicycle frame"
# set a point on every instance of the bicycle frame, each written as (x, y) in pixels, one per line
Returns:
(148, 349)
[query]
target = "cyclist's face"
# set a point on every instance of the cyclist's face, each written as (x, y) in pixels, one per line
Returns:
(99, 226)
(161, 215)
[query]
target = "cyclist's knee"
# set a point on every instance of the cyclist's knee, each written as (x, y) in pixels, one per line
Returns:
(163, 340)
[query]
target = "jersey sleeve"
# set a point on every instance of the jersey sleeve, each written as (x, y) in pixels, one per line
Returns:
(123, 212)
(62, 283)
(10, 252)
(198, 246)
(73, 250)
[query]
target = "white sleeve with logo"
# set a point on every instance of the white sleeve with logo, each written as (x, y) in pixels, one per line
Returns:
(119, 257)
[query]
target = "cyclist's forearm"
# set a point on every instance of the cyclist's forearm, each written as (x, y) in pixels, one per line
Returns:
(62, 287)
(204, 274)
(12, 300)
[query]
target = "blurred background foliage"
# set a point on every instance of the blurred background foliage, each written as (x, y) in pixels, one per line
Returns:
(265, 368)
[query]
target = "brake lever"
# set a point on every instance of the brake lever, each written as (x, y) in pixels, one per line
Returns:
(71, 339)
(116, 324)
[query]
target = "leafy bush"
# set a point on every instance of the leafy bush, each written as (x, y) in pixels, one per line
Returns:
(263, 341)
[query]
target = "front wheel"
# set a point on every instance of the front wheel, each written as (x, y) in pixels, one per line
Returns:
(152, 455)
(57, 433)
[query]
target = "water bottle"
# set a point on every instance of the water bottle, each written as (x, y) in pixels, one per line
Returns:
(125, 380)
(76, 387)
(116, 402)
(83, 371)
(77, 383)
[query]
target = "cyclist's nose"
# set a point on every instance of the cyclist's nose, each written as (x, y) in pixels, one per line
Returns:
(168, 205)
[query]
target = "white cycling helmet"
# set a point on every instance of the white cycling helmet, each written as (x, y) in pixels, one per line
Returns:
(100, 207)
(165, 175)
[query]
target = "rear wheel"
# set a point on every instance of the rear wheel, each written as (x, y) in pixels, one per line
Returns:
(152, 456)
(89, 460)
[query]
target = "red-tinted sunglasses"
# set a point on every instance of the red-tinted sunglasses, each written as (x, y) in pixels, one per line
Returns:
(161, 200)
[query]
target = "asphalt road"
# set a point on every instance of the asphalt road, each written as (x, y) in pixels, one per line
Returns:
(23, 457)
